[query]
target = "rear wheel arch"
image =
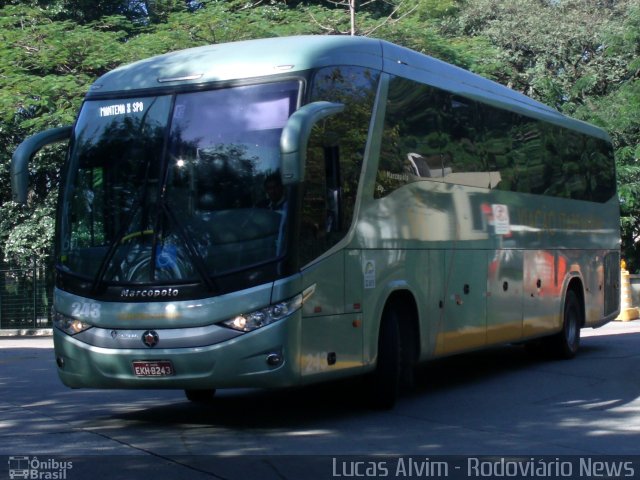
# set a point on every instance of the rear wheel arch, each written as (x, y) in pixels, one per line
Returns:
(575, 285)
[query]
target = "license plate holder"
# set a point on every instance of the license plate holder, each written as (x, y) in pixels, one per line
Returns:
(152, 368)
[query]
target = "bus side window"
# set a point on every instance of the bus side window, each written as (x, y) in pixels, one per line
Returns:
(334, 157)
(322, 202)
(417, 143)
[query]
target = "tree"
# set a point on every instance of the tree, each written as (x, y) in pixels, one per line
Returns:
(45, 68)
(52, 50)
(555, 51)
(580, 56)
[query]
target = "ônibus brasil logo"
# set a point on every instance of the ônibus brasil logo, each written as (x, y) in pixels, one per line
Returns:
(34, 468)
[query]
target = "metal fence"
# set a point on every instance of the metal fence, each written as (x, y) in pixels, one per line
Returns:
(26, 297)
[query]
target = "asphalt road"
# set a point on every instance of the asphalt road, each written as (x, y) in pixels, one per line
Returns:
(499, 402)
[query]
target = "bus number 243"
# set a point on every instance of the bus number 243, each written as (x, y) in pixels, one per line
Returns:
(85, 310)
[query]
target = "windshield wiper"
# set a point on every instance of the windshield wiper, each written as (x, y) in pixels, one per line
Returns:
(192, 252)
(142, 201)
(113, 247)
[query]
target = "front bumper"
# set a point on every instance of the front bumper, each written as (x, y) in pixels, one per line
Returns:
(238, 362)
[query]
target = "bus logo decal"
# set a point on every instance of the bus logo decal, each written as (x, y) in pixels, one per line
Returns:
(370, 274)
(150, 338)
(501, 222)
(150, 293)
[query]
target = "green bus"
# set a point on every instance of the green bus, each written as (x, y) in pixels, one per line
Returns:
(284, 211)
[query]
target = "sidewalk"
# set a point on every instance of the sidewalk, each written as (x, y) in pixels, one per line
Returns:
(612, 328)
(38, 341)
(26, 332)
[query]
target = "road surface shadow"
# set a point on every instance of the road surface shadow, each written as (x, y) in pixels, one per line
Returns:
(290, 407)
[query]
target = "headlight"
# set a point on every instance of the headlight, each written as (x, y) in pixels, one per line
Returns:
(266, 316)
(68, 325)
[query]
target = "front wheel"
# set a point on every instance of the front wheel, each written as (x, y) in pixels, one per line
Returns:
(385, 381)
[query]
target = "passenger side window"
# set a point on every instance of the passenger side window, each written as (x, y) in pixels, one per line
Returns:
(430, 135)
(433, 135)
(334, 157)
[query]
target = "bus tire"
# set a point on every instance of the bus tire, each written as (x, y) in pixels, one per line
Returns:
(385, 380)
(565, 344)
(200, 396)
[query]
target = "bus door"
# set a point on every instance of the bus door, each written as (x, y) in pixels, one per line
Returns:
(332, 336)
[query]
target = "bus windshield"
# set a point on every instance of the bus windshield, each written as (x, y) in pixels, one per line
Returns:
(176, 188)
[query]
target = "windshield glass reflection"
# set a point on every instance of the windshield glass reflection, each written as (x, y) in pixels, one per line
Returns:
(162, 194)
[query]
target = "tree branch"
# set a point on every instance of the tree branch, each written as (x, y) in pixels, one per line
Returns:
(325, 28)
(391, 19)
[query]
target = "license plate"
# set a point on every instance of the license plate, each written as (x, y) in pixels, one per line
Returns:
(160, 368)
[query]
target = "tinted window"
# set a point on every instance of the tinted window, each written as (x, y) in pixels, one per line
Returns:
(544, 159)
(335, 156)
(430, 135)
(160, 195)
(433, 135)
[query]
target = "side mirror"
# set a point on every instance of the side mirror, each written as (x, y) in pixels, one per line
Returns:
(295, 137)
(23, 155)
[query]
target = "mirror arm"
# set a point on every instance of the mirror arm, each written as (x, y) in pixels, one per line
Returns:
(295, 136)
(23, 155)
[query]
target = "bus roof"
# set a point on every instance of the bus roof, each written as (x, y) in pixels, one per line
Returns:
(270, 56)
(239, 60)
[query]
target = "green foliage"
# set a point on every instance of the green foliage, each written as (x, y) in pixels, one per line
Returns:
(436, 9)
(619, 113)
(581, 56)
(45, 68)
(32, 234)
(557, 50)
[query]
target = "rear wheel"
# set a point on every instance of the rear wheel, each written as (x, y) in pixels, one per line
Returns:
(566, 343)
(200, 396)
